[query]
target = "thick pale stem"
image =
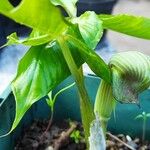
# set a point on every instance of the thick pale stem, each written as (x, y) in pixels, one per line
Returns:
(85, 105)
(87, 112)
(104, 103)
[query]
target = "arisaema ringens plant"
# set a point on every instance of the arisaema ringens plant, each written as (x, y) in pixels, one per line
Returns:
(130, 76)
(60, 45)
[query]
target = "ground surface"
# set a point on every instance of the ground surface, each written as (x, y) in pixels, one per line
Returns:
(53, 139)
(34, 139)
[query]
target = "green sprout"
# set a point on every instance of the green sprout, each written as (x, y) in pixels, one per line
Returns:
(144, 116)
(76, 136)
(52, 100)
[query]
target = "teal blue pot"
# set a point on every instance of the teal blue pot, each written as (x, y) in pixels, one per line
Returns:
(67, 107)
(122, 120)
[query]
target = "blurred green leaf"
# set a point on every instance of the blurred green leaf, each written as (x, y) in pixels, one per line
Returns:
(144, 116)
(139, 117)
(148, 115)
(127, 24)
(68, 5)
(35, 40)
(37, 14)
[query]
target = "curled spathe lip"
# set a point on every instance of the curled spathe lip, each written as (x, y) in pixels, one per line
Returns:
(130, 75)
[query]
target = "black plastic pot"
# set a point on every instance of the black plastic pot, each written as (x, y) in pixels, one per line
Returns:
(99, 6)
(8, 26)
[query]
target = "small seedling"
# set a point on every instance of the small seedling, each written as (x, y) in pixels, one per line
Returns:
(52, 100)
(144, 116)
(76, 136)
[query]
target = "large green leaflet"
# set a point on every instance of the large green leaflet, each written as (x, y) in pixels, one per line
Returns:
(41, 26)
(89, 25)
(90, 28)
(39, 71)
(127, 24)
(37, 14)
(68, 5)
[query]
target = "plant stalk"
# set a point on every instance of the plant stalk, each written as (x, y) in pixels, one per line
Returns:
(48, 126)
(144, 128)
(87, 113)
(104, 103)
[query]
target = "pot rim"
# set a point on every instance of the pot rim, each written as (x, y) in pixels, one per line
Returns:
(96, 1)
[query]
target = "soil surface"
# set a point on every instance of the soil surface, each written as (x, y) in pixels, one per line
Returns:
(34, 137)
(59, 136)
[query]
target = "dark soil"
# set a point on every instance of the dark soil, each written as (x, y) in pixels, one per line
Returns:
(136, 143)
(34, 139)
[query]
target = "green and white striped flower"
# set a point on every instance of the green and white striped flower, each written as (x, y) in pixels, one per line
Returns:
(130, 75)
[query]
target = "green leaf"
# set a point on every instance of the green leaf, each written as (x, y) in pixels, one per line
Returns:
(36, 38)
(148, 115)
(37, 14)
(68, 5)
(40, 70)
(5, 6)
(50, 103)
(75, 135)
(139, 117)
(94, 61)
(61, 91)
(49, 100)
(127, 24)
(90, 27)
